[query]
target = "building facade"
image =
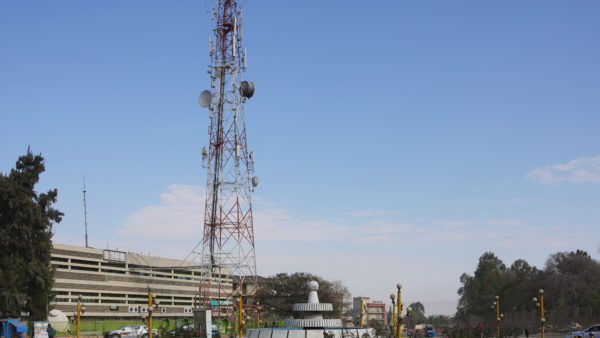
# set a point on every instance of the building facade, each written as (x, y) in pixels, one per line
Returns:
(374, 310)
(114, 284)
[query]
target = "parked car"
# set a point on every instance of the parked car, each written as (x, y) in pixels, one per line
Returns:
(573, 326)
(586, 333)
(429, 331)
(181, 330)
(186, 329)
(130, 331)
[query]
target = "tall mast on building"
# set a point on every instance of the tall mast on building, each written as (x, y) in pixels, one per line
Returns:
(228, 240)
(85, 214)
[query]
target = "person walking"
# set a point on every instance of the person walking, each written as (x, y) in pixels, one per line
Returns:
(50, 330)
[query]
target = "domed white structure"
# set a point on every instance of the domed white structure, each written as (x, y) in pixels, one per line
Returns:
(313, 311)
(59, 320)
(312, 325)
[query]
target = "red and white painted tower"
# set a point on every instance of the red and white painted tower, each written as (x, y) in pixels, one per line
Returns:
(228, 240)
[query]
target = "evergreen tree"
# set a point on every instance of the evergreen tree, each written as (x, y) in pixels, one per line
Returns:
(569, 281)
(26, 220)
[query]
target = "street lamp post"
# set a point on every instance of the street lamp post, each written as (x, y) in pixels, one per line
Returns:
(541, 306)
(80, 310)
(257, 315)
(497, 305)
(363, 313)
(149, 312)
(240, 320)
(408, 311)
(399, 325)
(401, 316)
(393, 298)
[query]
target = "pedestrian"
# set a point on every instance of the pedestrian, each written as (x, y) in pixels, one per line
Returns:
(526, 333)
(50, 331)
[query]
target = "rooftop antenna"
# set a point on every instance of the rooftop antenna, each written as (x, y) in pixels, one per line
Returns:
(85, 215)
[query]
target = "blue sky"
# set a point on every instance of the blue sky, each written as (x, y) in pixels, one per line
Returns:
(395, 142)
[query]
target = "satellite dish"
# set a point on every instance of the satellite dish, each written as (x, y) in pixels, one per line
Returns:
(204, 98)
(247, 89)
(255, 181)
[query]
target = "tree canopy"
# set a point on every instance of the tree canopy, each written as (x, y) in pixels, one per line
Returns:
(569, 281)
(417, 315)
(280, 292)
(26, 220)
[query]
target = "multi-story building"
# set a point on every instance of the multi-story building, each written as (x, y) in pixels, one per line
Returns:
(114, 284)
(375, 310)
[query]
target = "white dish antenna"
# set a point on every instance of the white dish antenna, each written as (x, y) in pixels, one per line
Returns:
(204, 98)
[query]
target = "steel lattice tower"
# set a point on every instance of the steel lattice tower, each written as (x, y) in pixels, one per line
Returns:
(228, 240)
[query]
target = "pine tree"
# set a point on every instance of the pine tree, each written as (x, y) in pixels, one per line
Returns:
(26, 220)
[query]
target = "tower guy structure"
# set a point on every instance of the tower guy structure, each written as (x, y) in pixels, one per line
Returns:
(228, 241)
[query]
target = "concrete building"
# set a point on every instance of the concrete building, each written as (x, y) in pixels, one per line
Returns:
(114, 284)
(374, 310)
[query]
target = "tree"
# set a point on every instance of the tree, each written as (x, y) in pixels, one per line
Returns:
(279, 293)
(417, 315)
(569, 281)
(26, 220)
(376, 325)
(479, 291)
(439, 321)
(418, 307)
(571, 278)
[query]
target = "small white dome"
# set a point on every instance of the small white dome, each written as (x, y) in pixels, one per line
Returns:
(313, 285)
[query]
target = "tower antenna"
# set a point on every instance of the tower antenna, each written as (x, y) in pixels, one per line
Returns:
(85, 214)
(227, 246)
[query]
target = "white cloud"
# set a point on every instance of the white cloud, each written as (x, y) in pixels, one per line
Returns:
(503, 222)
(179, 215)
(348, 247)
(580, 170)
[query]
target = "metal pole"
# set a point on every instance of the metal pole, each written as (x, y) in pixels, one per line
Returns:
(362, 313)
(392, 296)
(542, 311)
(78, 310)
(257, 315)
(399, 326)
(497, 317)
(149, 312)
(85, 214)
(240, 315)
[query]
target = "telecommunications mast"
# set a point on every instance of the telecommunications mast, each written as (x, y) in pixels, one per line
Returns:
(85, 214)
(227, 246)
